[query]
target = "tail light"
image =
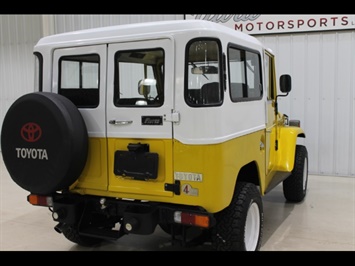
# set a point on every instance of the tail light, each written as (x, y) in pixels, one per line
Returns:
(192, 219)
(40, 200)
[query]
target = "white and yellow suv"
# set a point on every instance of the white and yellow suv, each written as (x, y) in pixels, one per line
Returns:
(172, 124)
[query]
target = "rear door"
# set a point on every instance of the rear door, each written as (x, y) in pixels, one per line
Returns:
(79, 73)
(140, 80)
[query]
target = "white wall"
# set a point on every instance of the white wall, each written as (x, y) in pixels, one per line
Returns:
(65, 23)
(322, 66)
(18, 35)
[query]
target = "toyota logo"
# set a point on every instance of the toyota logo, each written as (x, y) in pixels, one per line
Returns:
(31, 132)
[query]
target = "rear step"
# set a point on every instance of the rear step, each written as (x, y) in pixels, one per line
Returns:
(105, 233)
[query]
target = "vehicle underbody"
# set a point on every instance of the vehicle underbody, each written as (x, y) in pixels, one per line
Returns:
(87, 220)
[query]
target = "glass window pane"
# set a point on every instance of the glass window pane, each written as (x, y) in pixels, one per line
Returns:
(139, 78)
(79, 79)
(203, 74)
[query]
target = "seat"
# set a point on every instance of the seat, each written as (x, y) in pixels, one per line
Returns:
(211, 93)
(238, 91)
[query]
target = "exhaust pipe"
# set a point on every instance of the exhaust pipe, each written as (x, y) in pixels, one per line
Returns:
(59, 228)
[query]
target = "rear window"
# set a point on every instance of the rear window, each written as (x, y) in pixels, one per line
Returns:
(79, 79)
(139, 78)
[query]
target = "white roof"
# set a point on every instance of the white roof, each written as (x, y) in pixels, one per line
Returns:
(137, 30)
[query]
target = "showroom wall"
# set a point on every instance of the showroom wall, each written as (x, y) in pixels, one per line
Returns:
(321, 64)
(18, 35)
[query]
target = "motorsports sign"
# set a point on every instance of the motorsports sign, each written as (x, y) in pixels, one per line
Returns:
(267, 24)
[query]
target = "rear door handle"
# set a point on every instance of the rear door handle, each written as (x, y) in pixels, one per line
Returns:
(116, 122)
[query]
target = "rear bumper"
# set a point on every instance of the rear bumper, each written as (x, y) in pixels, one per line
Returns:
(100, 217)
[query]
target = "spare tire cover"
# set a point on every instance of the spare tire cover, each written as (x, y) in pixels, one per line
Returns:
(44, 142)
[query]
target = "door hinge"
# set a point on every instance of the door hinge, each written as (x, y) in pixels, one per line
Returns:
(172, 117)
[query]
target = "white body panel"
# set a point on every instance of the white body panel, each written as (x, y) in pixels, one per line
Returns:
(213, 125)
(95, 117)
(193, 125)
(135, 129)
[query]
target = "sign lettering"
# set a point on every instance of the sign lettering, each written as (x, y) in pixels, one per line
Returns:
(267, 24)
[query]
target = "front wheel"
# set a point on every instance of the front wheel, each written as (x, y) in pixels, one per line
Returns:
(295, 186)
(239, 226)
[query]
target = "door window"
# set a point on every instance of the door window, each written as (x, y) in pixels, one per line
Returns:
(139, 78)
(79, 79)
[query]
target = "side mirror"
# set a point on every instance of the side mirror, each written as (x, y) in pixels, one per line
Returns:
(285, 87)
(285, 83)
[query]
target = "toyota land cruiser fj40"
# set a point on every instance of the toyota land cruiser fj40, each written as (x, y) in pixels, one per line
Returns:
(172, 124)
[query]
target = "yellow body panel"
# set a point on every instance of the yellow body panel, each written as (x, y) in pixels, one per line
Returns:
(217, 164)
(281, 159)
(94, 175)
(285, 156)
(126, 187)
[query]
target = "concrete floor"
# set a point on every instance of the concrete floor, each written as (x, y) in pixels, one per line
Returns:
(325, 221)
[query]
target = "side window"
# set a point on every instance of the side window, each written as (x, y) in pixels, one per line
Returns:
(139, 78)
(202, 73)
(269, 77)
(79, 79)
(245, 81)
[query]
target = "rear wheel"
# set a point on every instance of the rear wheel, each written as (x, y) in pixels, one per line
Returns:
(239, 226)
(295, 186)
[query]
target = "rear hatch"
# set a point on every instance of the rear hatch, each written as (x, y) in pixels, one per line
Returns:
(128, 114)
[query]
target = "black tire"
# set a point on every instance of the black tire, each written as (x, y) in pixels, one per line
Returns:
(295, 186)
(44, 142)
(167, 229)
(239, 227)
(189, 236)
(71, 233)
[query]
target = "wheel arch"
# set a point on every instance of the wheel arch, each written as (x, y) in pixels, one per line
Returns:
(287, 147)
(249, 173)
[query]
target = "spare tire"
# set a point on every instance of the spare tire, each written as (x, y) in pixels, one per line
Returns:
(44, 142)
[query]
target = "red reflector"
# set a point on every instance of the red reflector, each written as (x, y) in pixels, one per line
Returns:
(187, 218)
(39, 200)
(195, 219)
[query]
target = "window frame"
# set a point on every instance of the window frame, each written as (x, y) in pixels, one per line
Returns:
(244, 50)
(158, 72)
(220, 73)
(38, 75)
(81, 97)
